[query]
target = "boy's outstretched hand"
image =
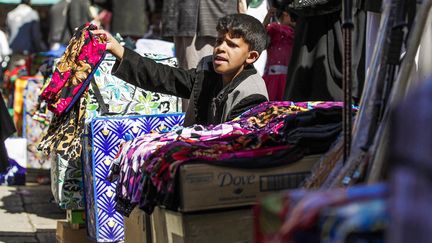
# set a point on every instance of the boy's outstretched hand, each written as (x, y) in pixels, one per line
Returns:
(113, 45)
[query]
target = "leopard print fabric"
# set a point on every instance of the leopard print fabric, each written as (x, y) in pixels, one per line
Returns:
(63, 143)
(64, 134)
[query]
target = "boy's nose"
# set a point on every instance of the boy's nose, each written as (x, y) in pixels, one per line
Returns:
(220, 47)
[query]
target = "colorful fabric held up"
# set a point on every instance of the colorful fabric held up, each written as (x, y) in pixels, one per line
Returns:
(73, 72)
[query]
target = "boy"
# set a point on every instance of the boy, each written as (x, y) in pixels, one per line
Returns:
(223, 85)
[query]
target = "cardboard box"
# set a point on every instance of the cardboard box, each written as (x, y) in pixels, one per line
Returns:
(137, 228)
(65, 234)
(204, 186)
(158, 226)
(230, 226)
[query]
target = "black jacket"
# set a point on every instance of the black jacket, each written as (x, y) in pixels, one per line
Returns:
(7, 128)
(209, 101)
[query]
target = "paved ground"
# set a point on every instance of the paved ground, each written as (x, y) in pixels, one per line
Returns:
(28, 215)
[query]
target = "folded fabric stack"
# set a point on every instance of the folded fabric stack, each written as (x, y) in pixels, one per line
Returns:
(273, 133)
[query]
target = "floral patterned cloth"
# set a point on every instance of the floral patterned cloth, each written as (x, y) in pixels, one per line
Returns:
(72, 73)
(122, 98)
(33, 128)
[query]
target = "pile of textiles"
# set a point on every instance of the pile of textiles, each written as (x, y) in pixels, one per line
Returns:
(273, 133)
(356, 214)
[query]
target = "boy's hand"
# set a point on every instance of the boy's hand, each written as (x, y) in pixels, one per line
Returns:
(113, 45)
(270, 14)
(242, 6)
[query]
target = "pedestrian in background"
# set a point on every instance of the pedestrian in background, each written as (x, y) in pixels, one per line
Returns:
(130, 18)
(64, 17)
(192, 24)
(24, 32)
(281, 33)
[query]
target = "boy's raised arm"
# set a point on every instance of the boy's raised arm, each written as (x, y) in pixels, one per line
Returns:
(146, 73)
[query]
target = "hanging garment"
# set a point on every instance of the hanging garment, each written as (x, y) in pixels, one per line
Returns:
(74, 70)
(315, 69)
(18, 104)
(62, 143)
(32, 128)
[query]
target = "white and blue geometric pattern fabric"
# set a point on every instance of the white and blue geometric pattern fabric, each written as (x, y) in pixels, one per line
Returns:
(102, 142)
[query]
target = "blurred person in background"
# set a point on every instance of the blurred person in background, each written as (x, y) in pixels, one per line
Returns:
(281, 33)
(154, 30)
(64, 17)
(24, 32)
(192, 24)
(130, 18)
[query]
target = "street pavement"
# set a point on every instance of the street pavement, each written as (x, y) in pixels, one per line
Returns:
(27, 214)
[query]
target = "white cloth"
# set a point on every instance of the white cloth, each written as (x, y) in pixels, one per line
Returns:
(4, 46)
(155, 47)
(260, 12)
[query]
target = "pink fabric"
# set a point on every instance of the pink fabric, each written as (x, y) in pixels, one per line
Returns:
(74, 70)
(278, 54)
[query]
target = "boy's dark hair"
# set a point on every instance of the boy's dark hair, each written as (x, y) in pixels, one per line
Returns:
(247, 27)
(25, 2)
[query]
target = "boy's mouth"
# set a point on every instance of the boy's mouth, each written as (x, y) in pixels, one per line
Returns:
(220, 60)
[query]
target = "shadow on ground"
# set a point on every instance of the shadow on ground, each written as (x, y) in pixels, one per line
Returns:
(35, 200)
(40, 236)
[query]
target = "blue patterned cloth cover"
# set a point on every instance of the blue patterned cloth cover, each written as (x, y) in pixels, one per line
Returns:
(101, 144)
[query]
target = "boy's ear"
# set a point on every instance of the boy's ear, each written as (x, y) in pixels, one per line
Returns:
(253, 56)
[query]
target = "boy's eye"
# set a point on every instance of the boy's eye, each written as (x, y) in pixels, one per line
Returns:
(231, 44)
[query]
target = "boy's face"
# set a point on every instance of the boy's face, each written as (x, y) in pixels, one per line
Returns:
(231, 55)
